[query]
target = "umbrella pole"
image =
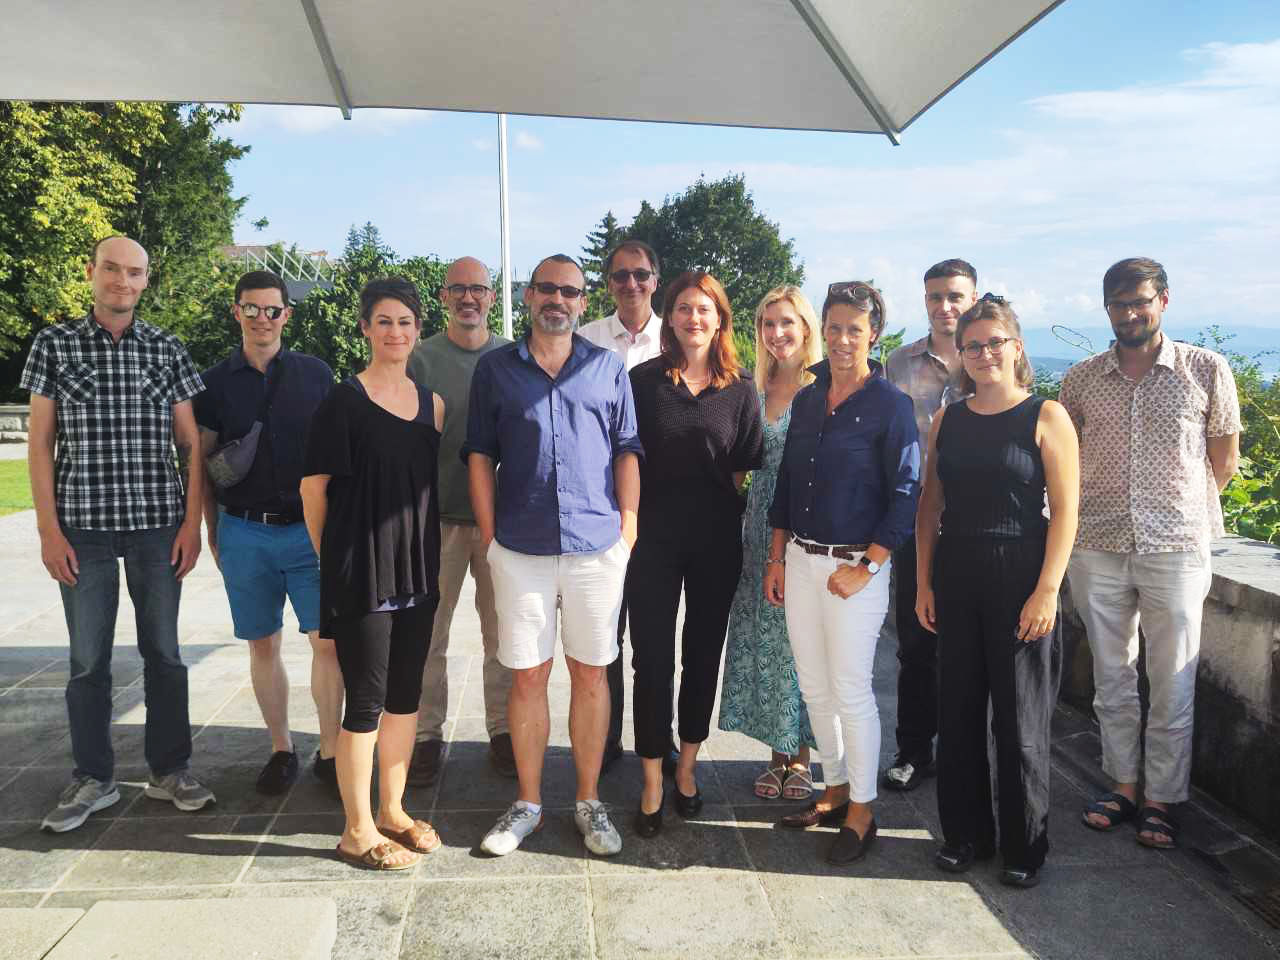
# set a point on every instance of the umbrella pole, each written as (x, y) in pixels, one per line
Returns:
(505, 226)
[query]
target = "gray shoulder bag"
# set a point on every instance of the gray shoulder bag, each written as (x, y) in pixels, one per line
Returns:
(230, 462)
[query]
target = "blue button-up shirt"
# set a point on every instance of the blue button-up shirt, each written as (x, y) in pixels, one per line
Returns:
(852, 475)
(555, 441)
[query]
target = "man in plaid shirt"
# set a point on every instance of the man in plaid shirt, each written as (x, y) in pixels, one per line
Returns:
(115, 394)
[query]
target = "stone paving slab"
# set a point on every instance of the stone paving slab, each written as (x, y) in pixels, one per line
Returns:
(28, 934)
(293, 928)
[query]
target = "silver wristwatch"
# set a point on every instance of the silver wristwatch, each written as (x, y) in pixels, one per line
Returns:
(870, 564)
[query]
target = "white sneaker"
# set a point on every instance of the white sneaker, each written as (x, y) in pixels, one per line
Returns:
(599, 835)
(511, 829)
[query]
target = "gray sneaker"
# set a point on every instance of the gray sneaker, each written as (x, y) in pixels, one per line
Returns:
(598, 834)
(82, 796)
(512, 827)
(181, 789)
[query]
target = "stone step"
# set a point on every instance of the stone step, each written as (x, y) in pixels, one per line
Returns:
(27, 933)
(277, 928)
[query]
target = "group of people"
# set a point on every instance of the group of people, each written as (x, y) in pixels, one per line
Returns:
(590, 477)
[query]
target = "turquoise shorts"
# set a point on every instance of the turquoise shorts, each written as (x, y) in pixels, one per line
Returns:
(263, 564)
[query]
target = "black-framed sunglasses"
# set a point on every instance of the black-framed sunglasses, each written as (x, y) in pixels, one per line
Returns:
(547, 289)
(639, 276)
(251, 311)
(460, 290)
(995, 346)
(855, 289)
(992, 298)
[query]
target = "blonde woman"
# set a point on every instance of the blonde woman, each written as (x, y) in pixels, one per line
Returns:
(760, 695)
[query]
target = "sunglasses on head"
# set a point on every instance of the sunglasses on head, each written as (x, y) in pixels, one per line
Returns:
(992, 298)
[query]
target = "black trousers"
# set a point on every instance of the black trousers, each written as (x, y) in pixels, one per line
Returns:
(707, 565)
(980, 587)
(917, 664)
(381, 656)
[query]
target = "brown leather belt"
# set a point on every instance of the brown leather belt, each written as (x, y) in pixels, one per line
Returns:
(849, 551)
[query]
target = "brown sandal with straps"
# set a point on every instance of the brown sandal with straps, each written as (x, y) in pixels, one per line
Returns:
(420, 837)
(377, 857)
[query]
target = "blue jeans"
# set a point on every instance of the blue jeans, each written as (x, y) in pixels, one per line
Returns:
(90, 607)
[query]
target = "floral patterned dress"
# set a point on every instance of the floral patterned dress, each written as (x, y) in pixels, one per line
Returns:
(761, 696)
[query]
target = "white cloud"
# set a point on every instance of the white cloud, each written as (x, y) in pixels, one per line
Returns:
(527, 141)
(482, 144)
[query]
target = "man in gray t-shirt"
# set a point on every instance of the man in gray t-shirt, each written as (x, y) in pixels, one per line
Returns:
(444, 364)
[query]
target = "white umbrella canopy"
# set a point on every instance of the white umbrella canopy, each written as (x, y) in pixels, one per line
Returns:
(845, 65)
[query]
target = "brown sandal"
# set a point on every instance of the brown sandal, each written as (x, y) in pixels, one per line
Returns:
(377, 857)
(421, 837)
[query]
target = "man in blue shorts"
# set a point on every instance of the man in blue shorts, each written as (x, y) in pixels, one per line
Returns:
(255, 527)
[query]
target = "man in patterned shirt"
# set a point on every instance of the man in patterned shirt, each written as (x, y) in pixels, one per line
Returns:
(1159, 425)
(923, 371)
(115, 394)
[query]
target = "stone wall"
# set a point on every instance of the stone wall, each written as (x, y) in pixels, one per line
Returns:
(13, 422)
(1237, 732)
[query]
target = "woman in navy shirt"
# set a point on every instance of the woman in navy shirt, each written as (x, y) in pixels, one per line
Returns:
(845, 500)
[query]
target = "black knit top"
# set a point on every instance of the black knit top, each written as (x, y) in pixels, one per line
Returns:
(381, 535)
(692, 447)
(991, 472)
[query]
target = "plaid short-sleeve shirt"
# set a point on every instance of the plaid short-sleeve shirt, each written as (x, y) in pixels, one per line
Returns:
(1146, 483)
(114, 460)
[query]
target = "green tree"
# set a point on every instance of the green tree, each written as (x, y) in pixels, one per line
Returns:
(600, 242)
(714, 226)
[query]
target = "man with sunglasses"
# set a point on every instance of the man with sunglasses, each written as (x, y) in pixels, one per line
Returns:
(923, 370)
(1159, 426)
(553, 455)
(255, 527)
(445, 363)
(633, 332)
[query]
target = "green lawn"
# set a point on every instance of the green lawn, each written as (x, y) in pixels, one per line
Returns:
(15, 487)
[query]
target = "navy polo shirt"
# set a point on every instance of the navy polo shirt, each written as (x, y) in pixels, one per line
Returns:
(852, 475)
(229, 405)
(554, 441)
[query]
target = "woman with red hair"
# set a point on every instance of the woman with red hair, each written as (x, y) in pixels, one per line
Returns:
(699, 422)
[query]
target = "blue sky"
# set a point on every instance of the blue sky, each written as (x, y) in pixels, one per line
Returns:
(1108, 130)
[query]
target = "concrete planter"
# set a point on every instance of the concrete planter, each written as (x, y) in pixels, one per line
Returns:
(14, 418)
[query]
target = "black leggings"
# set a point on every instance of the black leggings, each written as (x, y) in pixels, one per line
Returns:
(381, 656)
(979, 589)
(708, 566)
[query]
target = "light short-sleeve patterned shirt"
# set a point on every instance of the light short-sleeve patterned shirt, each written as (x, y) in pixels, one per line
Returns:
(114, 458)
(923, 376)
(1146, 482)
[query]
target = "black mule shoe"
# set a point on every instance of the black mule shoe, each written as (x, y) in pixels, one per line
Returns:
(688, 806)
(649, 824)
(849, 847)
(1020, 877)
(810, 817)
(959, 857)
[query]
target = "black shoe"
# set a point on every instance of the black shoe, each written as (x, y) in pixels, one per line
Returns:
(810, 817)
(649, 824)
(906, 773)
(612, 754)
(501, 756)
(1018, 877)
(279, 774)
(325, 769)
(688, 806)
(849, 847)
(669, 762)
(959, 857)
(424, 768)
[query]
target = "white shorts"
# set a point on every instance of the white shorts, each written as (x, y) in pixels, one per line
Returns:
(587, 588)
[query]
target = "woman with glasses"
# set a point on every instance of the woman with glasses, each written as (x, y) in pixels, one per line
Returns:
(988, 586)
(761, 695)
(845, 500)
(699, 421)
(371, 506)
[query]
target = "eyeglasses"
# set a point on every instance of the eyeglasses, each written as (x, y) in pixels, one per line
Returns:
(639, 276)
(995, 346)
(547, 289)
(460, 290)
(1137, 306)
(251, 311)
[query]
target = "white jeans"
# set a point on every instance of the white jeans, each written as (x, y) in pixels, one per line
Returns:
(587, 589)
(1165, 592)
(834, 642)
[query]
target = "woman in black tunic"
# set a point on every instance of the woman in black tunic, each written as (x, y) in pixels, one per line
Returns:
(995, 574)
(370, 502)
(699, 421)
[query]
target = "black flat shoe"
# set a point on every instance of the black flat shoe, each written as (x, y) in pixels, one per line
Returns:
(810, 817)
(649, 824)
(688, 806)
(849, 847)
(959, 857)
(1018, 877)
